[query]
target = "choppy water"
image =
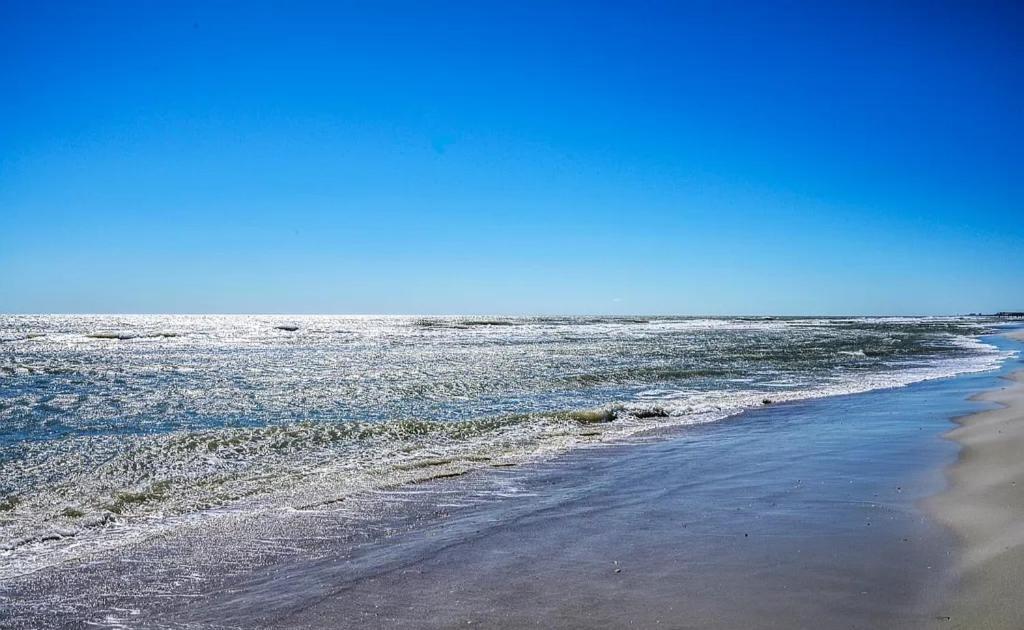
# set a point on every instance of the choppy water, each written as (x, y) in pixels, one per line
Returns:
(115, 428)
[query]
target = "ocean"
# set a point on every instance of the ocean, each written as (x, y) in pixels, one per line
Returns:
(118, 429)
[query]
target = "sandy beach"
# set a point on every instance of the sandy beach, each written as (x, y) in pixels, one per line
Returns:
(985, 507)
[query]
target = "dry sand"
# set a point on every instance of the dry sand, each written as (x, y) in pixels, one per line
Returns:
(985, 507)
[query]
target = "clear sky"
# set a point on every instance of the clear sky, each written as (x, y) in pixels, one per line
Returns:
(514, 157)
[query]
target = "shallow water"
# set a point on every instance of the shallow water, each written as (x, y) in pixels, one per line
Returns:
(114, 429)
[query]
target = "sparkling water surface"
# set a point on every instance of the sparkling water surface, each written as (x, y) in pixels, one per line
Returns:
(115, 428)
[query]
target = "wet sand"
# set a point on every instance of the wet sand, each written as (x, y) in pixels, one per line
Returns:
(985, 507)
(800, 516)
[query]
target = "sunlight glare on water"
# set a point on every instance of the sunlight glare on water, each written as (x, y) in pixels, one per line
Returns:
(116, 427)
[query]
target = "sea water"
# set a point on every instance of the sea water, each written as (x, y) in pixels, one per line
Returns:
(115, 429)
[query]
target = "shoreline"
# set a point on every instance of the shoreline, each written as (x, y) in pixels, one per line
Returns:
(984, 506)
(811, 510)
(816, 511)
(265, 465)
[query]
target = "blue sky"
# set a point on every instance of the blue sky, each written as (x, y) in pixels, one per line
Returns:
(375, 157)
